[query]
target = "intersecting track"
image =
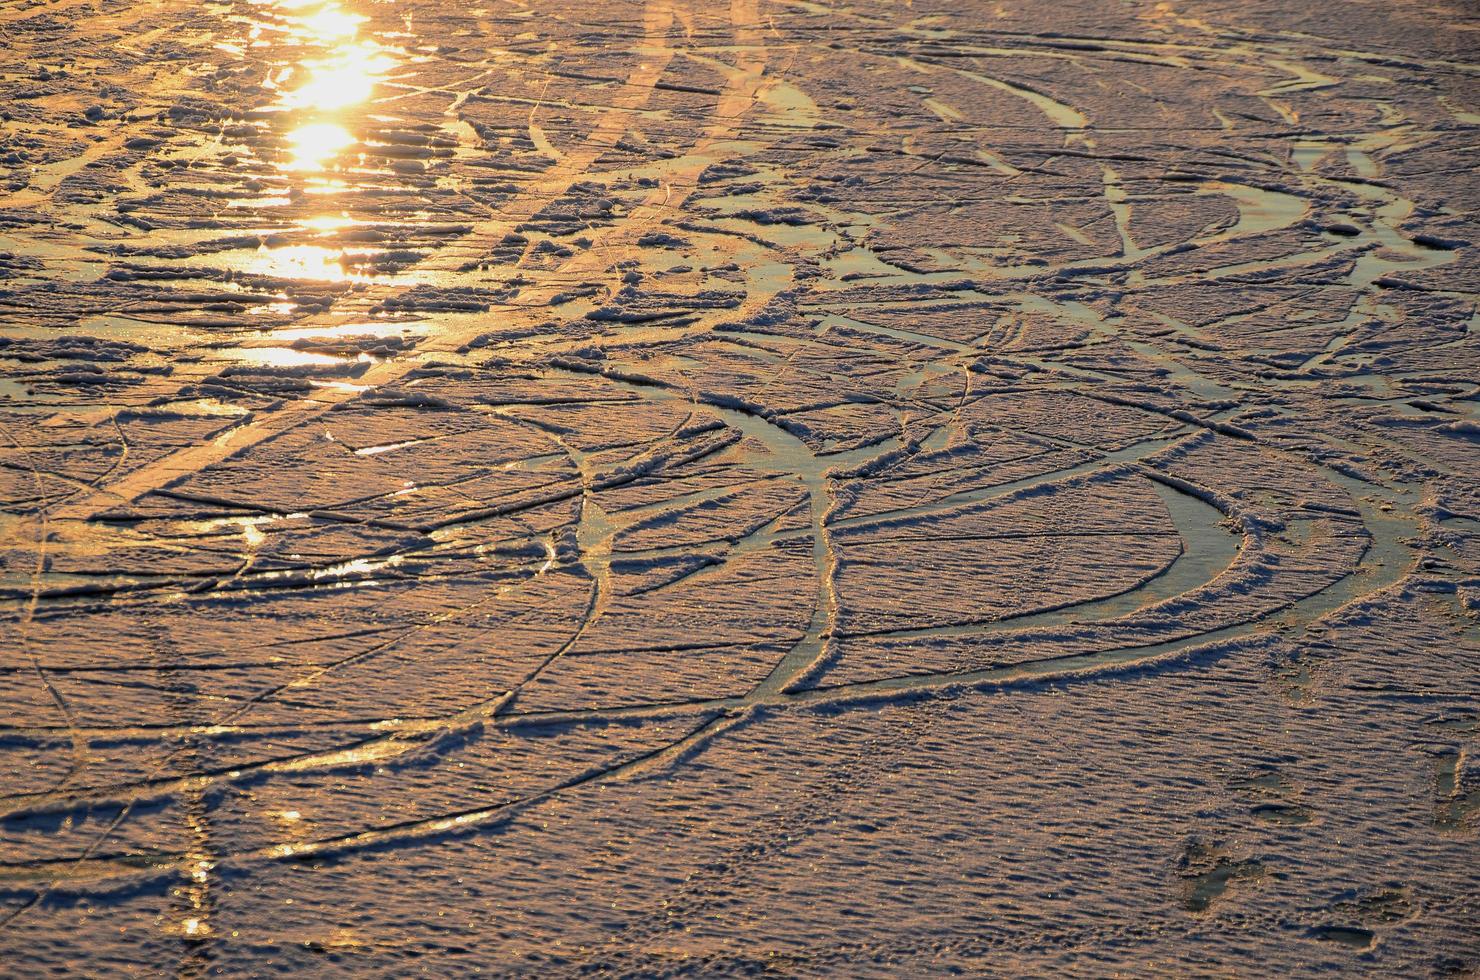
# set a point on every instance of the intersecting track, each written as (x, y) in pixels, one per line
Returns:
(653, 376)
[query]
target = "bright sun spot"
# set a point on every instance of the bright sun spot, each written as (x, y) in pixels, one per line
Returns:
(300, 262)
(328, 222)
(330, 22)
(315, 144)
(346, 79)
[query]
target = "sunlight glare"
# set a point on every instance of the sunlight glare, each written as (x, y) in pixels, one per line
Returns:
(316, 144)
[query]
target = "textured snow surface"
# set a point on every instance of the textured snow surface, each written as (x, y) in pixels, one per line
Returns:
(678, 488)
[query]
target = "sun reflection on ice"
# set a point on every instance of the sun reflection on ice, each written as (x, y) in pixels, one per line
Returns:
(314, 89)
(300, 262)
(388, 328)
(331, 21)
(329, 222)
(345, 79)
(314, 145)
(284, 357)
(328, 66)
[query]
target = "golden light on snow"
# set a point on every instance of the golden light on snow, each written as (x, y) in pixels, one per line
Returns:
(344, 79)
(329, 222)
(388, 328)
(300, 262)
(315, 144)
(330, 22)
(281, 357)
(325, 185)
(316, 263)
(548, 486)
(340, 71)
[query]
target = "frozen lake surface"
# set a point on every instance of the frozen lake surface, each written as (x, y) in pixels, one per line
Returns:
(679, 488)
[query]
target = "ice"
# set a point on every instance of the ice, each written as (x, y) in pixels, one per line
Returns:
(655, 488)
